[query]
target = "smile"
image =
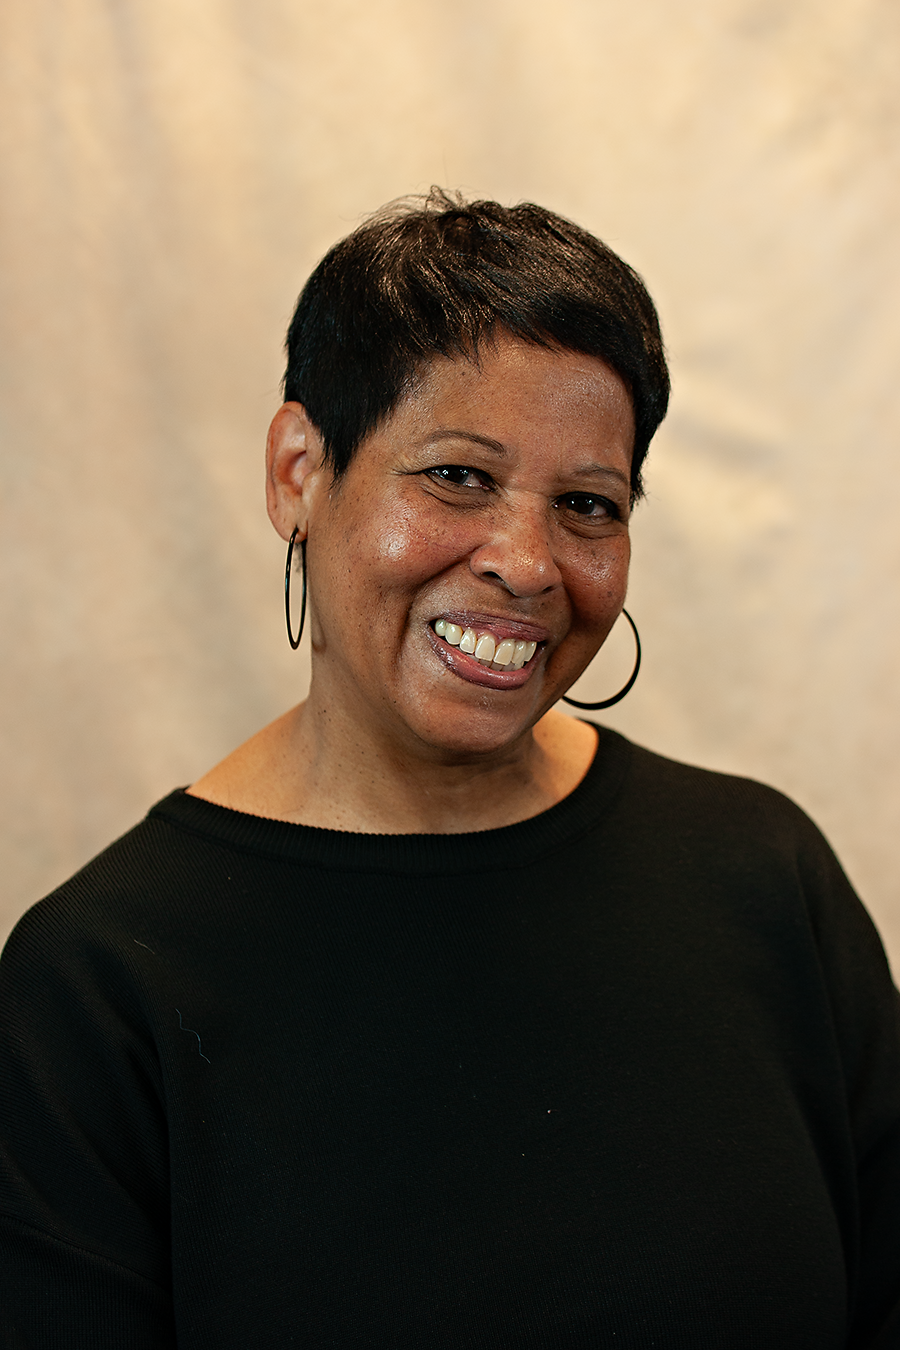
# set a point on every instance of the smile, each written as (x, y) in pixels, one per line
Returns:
(507, 654)
(488, 649)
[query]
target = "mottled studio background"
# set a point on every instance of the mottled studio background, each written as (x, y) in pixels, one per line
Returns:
(169, 172)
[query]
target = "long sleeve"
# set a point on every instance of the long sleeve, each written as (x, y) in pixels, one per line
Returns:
(626, 1073)
(83, 1170)
(866, 1012)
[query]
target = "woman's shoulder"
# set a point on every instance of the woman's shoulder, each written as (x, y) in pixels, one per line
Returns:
(704, 800)
(117, 896)
(703, 826)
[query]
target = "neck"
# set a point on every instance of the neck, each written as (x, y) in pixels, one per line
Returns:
(312, 767)
(362, 782)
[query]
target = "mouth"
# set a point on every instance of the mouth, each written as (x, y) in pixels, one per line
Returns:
(487, 650)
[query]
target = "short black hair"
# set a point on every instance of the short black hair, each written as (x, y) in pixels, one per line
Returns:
(436, 276)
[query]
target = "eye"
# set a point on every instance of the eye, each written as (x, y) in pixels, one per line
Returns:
(459, 475)
(586, 504)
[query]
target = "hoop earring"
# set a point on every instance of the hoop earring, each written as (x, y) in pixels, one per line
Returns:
(295, 642)
(608, 702)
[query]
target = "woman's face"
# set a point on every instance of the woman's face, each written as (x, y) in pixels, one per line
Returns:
(491, 509)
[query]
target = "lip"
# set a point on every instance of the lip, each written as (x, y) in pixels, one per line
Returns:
(474, 672)
(498, 625)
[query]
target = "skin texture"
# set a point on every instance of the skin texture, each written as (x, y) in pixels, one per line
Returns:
(399, 734)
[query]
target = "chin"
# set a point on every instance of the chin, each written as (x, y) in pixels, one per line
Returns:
(463, 732)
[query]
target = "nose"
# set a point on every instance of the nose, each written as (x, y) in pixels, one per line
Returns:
(518, 552)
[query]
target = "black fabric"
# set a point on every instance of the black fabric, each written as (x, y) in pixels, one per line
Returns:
(623, 1075)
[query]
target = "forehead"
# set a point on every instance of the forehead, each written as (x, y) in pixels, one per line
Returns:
(511, 386)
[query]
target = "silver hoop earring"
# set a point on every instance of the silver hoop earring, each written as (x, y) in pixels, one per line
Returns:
(295, 642)
(608, 702)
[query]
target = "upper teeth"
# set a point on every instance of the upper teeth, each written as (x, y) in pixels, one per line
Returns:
(508, 654)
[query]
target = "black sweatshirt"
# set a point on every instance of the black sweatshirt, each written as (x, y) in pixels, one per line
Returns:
(623, 1075)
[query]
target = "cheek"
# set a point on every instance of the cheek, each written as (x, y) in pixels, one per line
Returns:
(596, 583)
(403, 548)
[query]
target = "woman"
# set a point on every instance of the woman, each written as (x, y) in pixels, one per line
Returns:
(431, 1016)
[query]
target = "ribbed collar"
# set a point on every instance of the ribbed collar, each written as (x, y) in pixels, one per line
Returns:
(481, 850)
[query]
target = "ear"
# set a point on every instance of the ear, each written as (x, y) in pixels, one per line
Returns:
(294, 467)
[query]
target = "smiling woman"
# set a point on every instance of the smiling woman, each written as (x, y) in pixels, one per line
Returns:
(523, 536)
(432, 1016)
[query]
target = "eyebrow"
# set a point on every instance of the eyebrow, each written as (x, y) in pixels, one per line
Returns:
(590, 469)
(449, 433)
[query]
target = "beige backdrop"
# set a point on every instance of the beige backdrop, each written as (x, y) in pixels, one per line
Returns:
(170, 171)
